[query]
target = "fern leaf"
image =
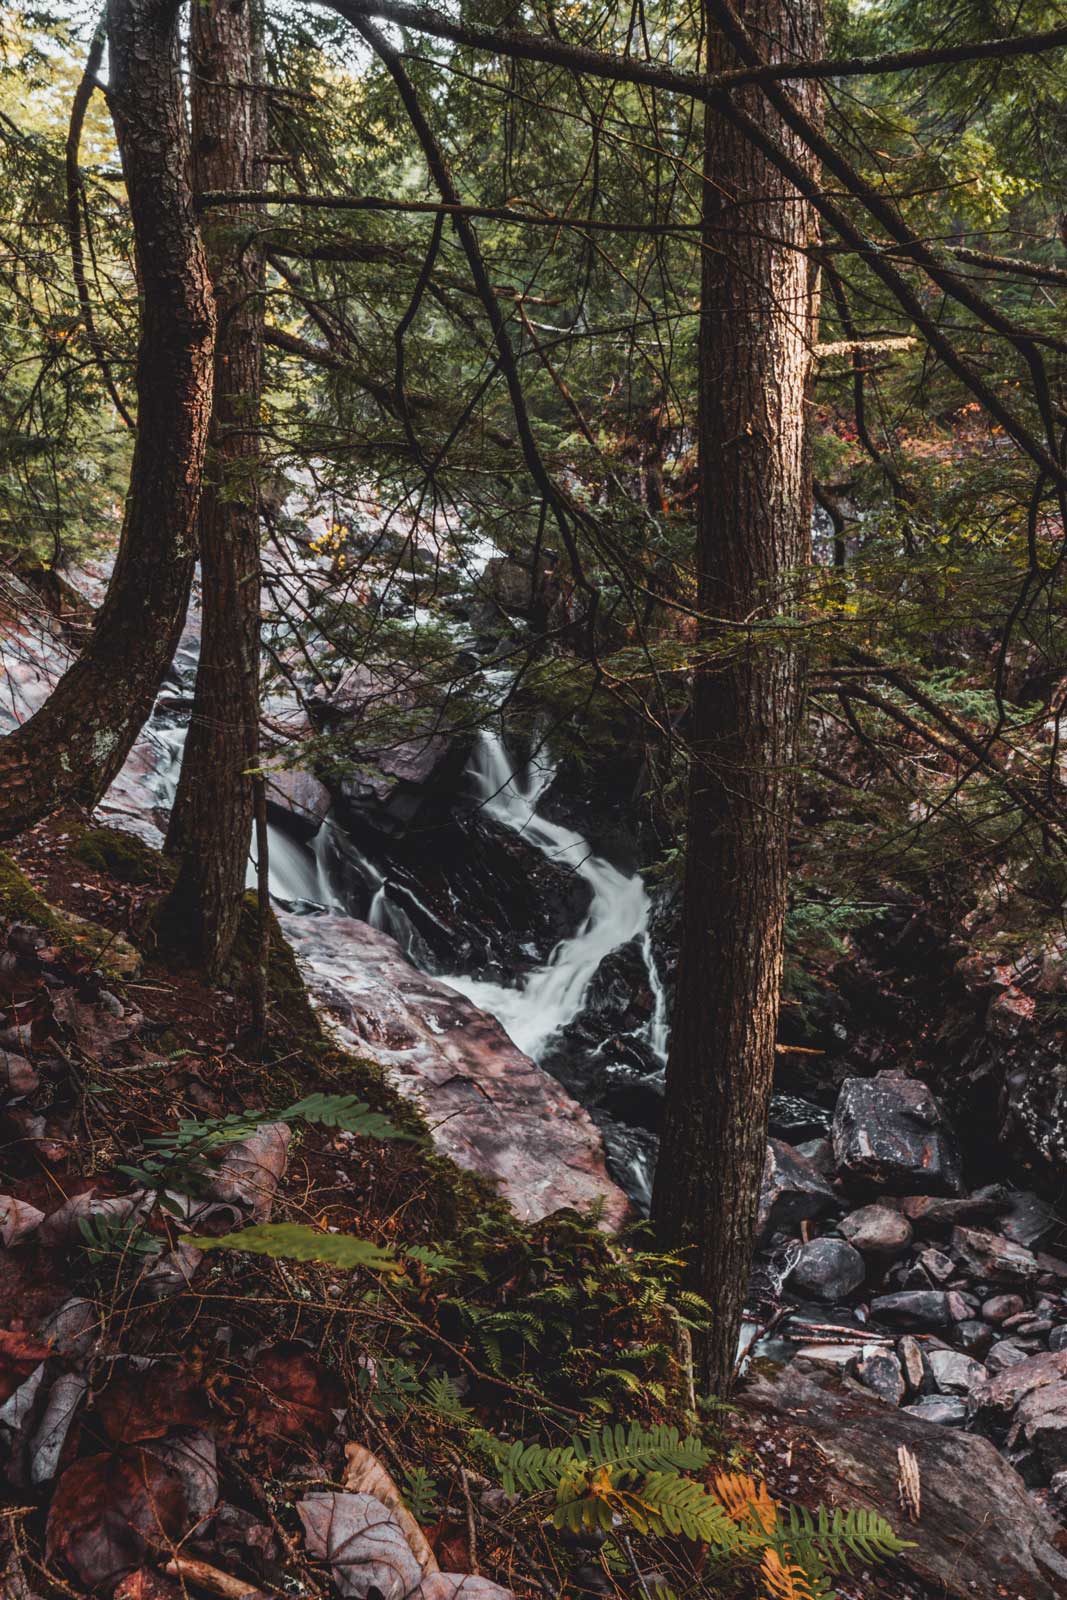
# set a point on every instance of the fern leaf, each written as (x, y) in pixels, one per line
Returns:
(294, 1241)
(747, 1501)
(346, 1112)
(785, 1580)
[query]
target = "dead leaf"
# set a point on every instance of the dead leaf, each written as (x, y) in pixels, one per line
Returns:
(363, 1544)
(146, 1402)
(462, 1586)
(72, 1329)
(17, 1220)
(110, 1511)
(295, 1396)
(144, 1584)
(46, 1446)
(364, 1474)
(253, 1168)
(20, 1354)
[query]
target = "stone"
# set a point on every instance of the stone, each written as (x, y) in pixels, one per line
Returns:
(1057, 1339)
(946, 1410)
(993, 1257)
(881, 1372)
(792, 1191)
(997, 1398)
(914, 1308)
(938, 1267)
(982, 1535)
(930, 1213)
(1031, 1221)
(913, 1365)
(960, 1307)
(828, 1269)
(954, 1372)
(974, 1337)
(877, 1230)
(889, 1130)
(1041, 1421)
(1010, 1013)
(1004, 1354)
(1001, 1307)
(820, 1152)
(1057, 1491)
(834, 1357)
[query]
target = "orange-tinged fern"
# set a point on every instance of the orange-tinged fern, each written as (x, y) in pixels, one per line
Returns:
(746, 1501)
(784, 1580)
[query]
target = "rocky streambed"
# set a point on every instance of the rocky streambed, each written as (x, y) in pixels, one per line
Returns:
(878, 1263)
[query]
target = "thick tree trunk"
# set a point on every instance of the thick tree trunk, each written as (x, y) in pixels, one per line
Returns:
(211, 824)
(70, 751)
(756, 326)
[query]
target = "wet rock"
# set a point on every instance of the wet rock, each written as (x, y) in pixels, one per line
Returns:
(1030, 1221)
(954, 1372)
(300, 796)
(946, 1410)
(982, 1535)
(991, 1256)
(1041, 1423)
(877, 1230)
(997, 1398)
(914, 1308)
(1004, 1354)
(791, 1190)
(939, 1267)
(793, 1118)
(820, 1152)
(881, 1372)
(934, 1213)
(1002, 1306)
(974, 1337)
(829, 1270)
(890, 1131)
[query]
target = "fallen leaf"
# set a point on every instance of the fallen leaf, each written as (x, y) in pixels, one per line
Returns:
(110, 1511)
(364, 1474)
(363, 1544)
(46, 1446)
(253, 1168)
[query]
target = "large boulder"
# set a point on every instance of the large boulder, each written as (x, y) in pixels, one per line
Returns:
(792, 1190)
(828, 1269)
(980, 1535)
(996, 1400)
(991, 1257)
(889, 1132)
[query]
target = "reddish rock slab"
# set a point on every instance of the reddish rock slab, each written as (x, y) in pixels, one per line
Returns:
(489, 1107)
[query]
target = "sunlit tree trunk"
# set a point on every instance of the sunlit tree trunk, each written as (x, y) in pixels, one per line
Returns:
(74, 746)
(211, 825)
(756, 330)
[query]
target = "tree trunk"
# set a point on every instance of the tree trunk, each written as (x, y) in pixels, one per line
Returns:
(74, 746)
(211, 824)
(758, 309)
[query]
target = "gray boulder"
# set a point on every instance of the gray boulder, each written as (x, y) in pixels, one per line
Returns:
(1040, 1421)
(954, 1372)
(877, 1230)
(913, 1308)
(828, 1269)
(981, 1536)
(946, 1410)
(792, 1191)
(890, 1131)
(881, 1372)
(992, 1257)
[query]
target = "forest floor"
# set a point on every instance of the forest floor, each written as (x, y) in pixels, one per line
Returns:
(176, 1420)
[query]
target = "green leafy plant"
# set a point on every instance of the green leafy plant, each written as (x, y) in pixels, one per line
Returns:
(295, 1241)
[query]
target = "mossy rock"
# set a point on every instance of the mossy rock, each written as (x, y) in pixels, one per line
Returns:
(21, 902)
(122, 856)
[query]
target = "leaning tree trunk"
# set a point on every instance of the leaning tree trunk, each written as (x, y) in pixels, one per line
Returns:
(74, 746)
(211, 824)
(756, 324)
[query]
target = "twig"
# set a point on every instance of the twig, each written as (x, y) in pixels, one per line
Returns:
(472, 1530)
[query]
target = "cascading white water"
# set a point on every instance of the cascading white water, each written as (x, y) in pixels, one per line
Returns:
(550, 997)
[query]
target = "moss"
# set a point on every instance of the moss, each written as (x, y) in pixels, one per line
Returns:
(122, 856)
(21, 902)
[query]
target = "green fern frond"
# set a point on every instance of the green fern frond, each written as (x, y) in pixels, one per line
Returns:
(295, 1241)
(343, 1111)
(655, 1449)
(421, 1494)
(443, 1396)
(833, 1538)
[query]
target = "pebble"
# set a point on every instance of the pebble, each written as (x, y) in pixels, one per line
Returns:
(954, 1372)
(877, 1230)
(1001, 1307)
(947, 1410)
(1003, 1355)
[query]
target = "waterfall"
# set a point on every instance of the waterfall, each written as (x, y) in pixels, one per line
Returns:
(551, 996)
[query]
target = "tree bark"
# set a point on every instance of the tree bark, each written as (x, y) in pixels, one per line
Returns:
(74, 746)
(756, 332)
(211, 824)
